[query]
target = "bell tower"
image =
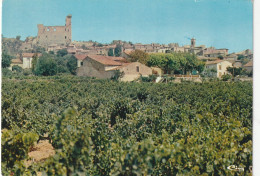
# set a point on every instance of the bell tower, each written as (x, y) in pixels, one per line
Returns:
(193, 42)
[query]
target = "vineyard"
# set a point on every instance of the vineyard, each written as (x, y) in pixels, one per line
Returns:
(104, 127)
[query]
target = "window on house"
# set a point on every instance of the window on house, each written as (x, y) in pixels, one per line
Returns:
(65, 37)
(219, 67)
(54, 29)
(65, 29)
(220, 74)
(81, 63)
(48, 29)
(137, 68)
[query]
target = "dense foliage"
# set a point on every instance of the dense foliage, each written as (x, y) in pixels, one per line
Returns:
(118, 50)
(176, 62)
(140, 56)
(6, 60)
(237, 71)
(101, 127)
(51, 64)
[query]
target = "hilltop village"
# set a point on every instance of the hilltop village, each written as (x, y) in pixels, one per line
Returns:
(105, 60)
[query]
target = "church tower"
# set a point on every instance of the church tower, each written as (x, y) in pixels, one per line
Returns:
(193, 43)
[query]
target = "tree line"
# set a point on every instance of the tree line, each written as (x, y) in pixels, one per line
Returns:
(48, 64)
(171, 63)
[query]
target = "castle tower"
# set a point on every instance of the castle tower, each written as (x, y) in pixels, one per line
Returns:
(68, 20)
(68, 28)
(193, 42)
(60, 35)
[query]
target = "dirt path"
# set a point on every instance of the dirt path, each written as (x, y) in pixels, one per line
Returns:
(40, 152)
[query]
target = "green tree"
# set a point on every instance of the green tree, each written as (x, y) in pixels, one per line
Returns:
(72, 65)
(100, 45)
(18, 37)
(110, 52)
(118, 50)
(140, 56)
(240, 56)
(200, 66)
(221, 57)
(117, 75)
(62, 52)
(236, 71)
(17, 68)
(46, 66)
(34, 61)
(6, 60)
(84, 47)
(226, 77)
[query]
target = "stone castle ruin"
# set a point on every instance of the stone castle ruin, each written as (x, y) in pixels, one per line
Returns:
(48, 35)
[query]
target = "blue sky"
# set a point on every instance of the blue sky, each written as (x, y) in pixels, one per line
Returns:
(218, 23)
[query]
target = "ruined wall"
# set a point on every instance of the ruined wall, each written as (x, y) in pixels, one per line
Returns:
(54, 34)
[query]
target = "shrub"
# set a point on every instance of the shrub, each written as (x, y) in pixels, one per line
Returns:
(17, 68)
(226, 77)
(46, 67)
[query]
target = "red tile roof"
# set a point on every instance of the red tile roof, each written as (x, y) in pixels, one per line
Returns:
(80, 56)
(122, 66)
(213, 62)
(17, 61)
(128, 51)
(105, 60)
(249, 64)
(30, 54)
(118, 59)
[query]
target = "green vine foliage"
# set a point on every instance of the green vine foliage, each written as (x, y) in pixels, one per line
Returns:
(15, 148)
(103, 127)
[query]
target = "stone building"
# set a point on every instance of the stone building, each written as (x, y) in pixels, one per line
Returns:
(249, 66)
(97, 66)
(24, 60)
(48, 35)
(220, 67)
(132, 71)
(104, 67)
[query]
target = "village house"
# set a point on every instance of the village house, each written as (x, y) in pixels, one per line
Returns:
(220, 67)
(104, 67)
(24, 60)
(132, 71)
(17, 61)
(249, 66)
(213, 52)
(27, 59)
(126, 53)
(97, 66)
(237, 64)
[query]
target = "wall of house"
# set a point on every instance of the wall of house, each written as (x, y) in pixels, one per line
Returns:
(249, 69)
(210, 67)
(79, 63)
(27, 62)
(222, 68)
(110, 67)
(95, 69)
(18, 64)
(131, 71)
